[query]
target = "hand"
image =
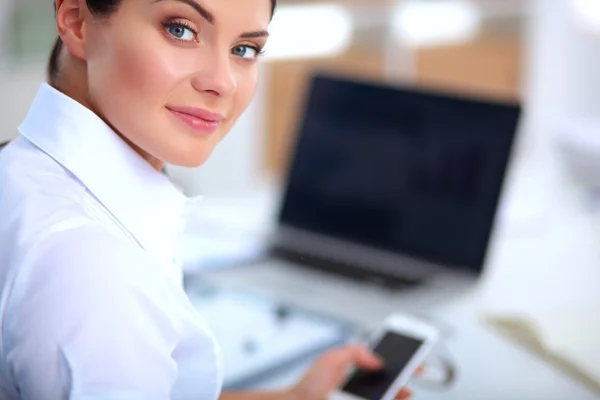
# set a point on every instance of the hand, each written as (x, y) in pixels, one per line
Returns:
(329, 371)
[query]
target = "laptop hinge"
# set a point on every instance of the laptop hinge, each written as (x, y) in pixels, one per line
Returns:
(349, 259)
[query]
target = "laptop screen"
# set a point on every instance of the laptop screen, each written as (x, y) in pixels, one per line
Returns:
(401, 170)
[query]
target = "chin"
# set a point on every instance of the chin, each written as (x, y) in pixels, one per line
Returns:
(188, 158)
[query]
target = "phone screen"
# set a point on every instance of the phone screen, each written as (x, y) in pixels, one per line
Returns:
(397, 351)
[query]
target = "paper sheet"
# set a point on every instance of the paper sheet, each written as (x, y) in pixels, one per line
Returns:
(575, 335)
(568, 340)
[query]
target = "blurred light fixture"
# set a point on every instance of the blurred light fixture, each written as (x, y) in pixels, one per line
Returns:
(311, 30)
(419, 23)
(587, 14)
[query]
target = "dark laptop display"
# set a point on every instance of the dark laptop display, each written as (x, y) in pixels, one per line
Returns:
(400, 170)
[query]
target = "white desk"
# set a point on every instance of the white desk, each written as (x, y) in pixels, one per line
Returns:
(490, 367)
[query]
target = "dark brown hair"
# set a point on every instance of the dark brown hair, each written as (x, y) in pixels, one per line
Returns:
(100, 8)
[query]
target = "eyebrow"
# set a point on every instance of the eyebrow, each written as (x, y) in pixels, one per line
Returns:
(207, 15)
(253, 35)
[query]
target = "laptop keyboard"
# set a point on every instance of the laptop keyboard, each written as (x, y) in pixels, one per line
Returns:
(344, 269)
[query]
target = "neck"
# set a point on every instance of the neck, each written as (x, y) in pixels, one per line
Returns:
(72, 81)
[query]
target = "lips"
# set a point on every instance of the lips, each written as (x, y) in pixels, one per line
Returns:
(200, 120)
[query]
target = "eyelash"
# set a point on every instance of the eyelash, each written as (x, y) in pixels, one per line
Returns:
(170, 23)
(259, 50)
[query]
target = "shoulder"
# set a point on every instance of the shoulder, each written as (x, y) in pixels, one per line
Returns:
(83, 258)
(37, 195)
(87, 302)
(84, 279)
(26, 170)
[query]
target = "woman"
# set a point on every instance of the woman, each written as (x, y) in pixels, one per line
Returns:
(92, 305)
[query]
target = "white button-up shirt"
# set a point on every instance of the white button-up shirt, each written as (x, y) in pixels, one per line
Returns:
(91, 303)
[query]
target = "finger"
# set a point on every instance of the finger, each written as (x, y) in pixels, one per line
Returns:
(403, 394)
(352, 355)
(365, 358)
(420, 370)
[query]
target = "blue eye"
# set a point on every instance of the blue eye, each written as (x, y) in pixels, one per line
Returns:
(181, 32)
(245, 51)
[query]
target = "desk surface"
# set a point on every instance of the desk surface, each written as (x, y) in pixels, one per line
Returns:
(490, 367)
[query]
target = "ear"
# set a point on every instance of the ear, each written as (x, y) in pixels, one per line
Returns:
(71, 24)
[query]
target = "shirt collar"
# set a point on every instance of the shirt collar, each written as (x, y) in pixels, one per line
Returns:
(142, 199)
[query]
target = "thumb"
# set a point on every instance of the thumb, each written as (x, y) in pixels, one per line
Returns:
(363, 357)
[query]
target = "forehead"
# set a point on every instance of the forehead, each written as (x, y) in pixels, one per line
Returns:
(244, 12)
(251, 13)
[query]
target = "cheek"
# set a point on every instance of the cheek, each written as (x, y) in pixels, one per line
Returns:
(246, 89)
(133, 75)
(140, 70)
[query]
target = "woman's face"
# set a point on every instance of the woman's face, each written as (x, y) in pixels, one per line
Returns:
(173, 76)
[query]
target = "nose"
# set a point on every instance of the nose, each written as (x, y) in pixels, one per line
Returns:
(215, 75)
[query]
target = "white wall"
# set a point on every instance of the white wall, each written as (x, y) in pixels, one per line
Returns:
(17, 90)
(5, 13)
(562, 82)
(563, 64)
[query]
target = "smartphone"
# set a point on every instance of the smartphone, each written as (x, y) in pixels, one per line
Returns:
(403, 343)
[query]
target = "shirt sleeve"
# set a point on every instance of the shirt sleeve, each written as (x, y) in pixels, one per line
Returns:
(88, 319)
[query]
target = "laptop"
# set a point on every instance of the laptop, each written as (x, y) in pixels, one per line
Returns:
(389, 187)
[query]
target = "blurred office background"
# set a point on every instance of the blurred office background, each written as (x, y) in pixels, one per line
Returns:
(543, 53)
